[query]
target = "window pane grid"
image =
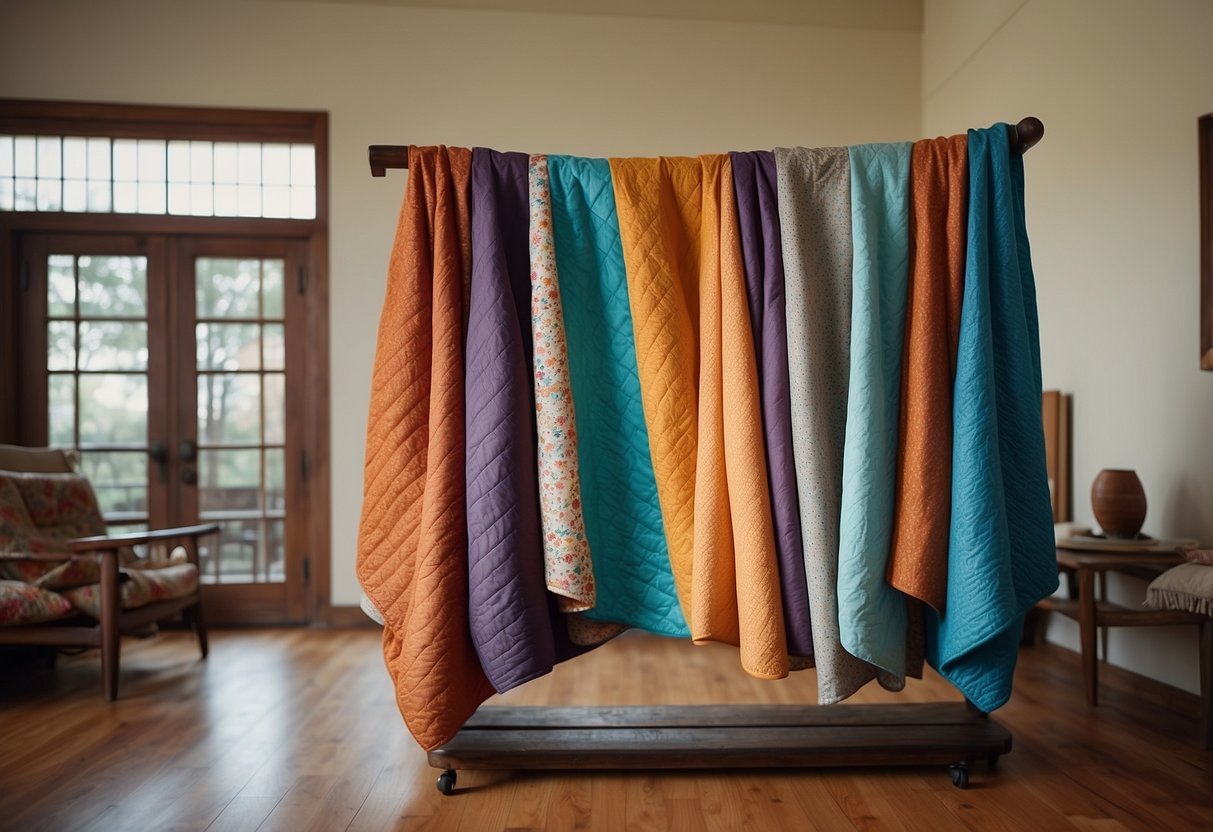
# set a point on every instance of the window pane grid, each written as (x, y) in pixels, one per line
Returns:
(157, 176)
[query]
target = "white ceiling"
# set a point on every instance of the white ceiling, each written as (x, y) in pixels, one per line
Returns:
(899, 15)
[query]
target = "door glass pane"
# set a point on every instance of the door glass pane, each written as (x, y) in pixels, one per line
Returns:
(120, 480)
(113, 345)
(271, 288)
(273, 346)
(229, 408)
(113, 286)
(113, 408)
(229, 346)
(61, 418)
(228, 288)
(275, 408)
(233, 559)
(276, 543)
(230, 481)
(61, 285)
(275, 480)
(61, 345)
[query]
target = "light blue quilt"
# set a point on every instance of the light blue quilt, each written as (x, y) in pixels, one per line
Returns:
(872, 614)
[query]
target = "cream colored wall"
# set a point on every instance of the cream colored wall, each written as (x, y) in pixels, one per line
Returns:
(555, 83)
(1112, 212)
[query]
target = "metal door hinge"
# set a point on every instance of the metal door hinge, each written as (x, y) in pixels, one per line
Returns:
(307, 570)
(305, 466)
(302, 280)
(25, 279)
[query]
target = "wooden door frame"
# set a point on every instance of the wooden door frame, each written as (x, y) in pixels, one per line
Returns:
(74, 118)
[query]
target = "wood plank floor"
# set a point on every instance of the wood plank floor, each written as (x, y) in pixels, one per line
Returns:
(298, 730)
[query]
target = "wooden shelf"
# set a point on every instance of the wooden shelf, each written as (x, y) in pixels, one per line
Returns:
(1108, 614)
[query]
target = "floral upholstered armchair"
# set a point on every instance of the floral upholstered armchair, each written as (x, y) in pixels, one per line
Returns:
(64, 582)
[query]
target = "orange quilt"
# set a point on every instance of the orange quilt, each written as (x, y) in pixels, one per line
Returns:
(699, 386)
(412, 549)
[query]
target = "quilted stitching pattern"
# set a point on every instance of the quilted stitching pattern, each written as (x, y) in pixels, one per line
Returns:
(516, 626)
(871, 614)
(412, 537)
(684, 259)
(663, 276)
(758, 222)
(918, 562)
(622, 516)
(1002, 558)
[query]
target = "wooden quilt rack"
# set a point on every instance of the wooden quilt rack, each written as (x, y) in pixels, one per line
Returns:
(953, 734)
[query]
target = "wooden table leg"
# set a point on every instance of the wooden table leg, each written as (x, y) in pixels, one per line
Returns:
(1087, 634)
(1103, 631)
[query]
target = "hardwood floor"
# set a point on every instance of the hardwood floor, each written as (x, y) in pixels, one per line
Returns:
(298, 730)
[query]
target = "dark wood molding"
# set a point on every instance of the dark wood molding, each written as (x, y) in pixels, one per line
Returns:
(64, 222)
(121, 121)
(1205, 134)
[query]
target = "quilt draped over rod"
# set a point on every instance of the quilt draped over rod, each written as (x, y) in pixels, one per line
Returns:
(750, 398)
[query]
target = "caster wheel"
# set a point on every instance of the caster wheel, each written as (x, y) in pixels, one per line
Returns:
(960, 775)
(446, 781)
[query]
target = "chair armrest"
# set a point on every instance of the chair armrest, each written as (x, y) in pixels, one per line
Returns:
(102, 543)
(47, 556)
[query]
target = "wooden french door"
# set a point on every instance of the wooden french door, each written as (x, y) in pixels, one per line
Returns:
(174, 365)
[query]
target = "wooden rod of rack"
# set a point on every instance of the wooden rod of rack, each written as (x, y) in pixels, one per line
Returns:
(384, 157)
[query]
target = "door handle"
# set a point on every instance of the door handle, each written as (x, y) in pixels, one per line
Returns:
(188, 450)
(158, 452)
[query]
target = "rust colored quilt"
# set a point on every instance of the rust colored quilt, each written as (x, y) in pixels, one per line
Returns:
(918, 561)
(699, 386)
(412, 548)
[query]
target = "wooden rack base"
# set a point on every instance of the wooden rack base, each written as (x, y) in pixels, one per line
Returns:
(724, 736)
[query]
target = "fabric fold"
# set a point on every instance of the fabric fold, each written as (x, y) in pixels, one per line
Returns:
(622, 515)
(567, 565)
(814, 195)
(686, 284)
(872, 614)
(516, 625)
(918, 561)
(758, 219)
(412, 535)
(1002, 558)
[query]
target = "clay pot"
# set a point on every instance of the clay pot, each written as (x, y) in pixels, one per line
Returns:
(1119, 503)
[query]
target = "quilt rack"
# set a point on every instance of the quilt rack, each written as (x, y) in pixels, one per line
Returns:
(952, 734)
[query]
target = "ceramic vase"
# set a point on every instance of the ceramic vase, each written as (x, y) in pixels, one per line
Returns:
(1119, 503)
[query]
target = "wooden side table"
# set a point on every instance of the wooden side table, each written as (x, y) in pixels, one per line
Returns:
(1092, 613)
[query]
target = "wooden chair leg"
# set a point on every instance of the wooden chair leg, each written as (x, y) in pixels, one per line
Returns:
(199, 622)
(1206, 684)
(111, 609)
